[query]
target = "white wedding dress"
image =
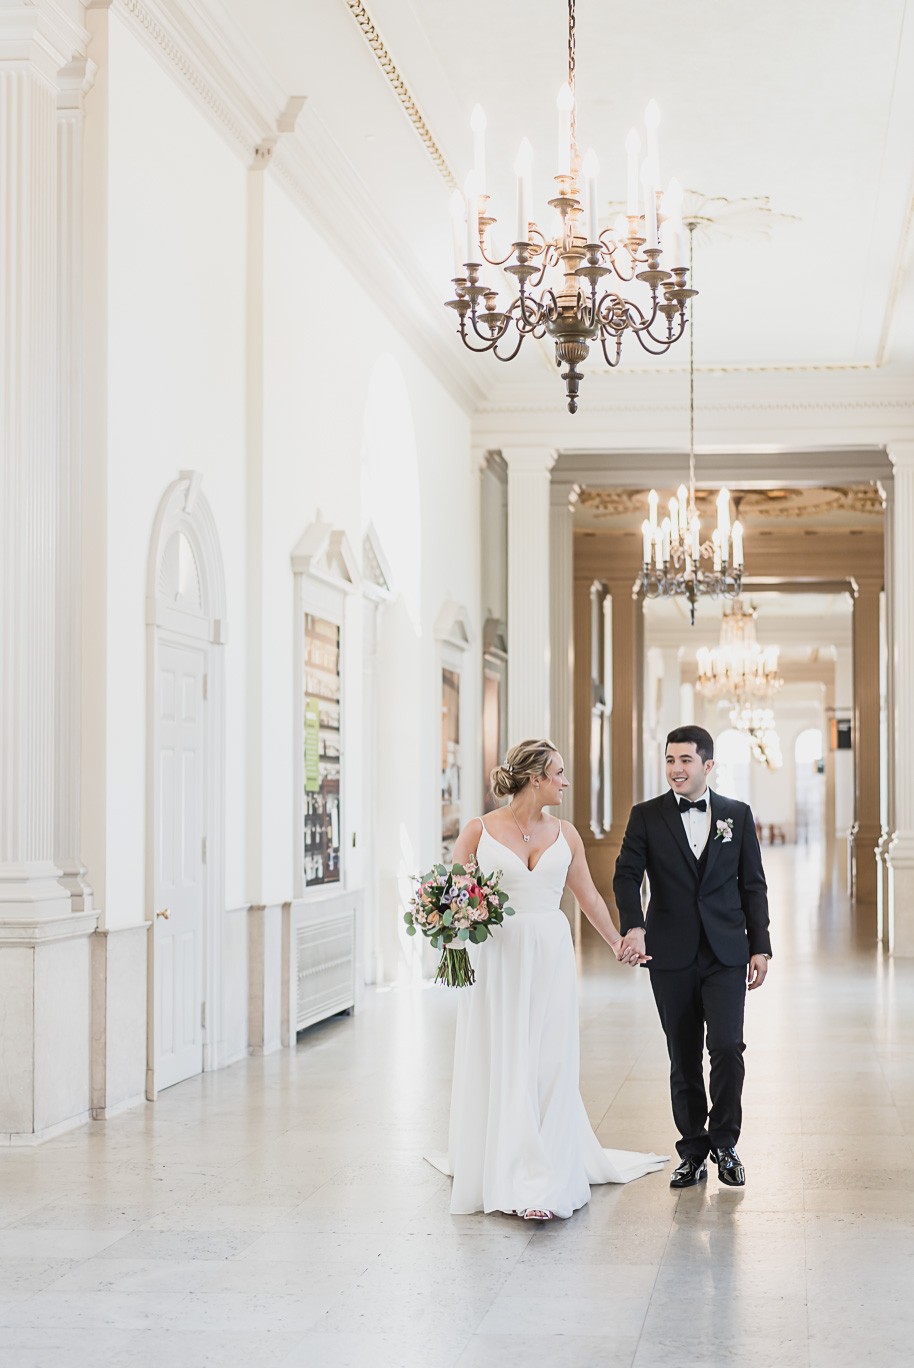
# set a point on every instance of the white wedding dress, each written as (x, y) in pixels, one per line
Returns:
(519, 1135)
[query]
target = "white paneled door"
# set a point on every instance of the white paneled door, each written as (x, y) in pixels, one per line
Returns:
(179, 860)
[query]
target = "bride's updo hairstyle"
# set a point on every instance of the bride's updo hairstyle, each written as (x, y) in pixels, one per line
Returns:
(524, 762)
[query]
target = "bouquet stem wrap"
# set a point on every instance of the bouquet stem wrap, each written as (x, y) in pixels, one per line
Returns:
(454, 968)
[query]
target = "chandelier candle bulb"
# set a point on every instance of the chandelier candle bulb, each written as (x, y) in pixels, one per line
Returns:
(458, 218)
(674, 519)
(696, 539)
(633, 154)
(737, 544)
(646, 540)
(665, 529)
(523, 164)
(590, 168)
(715, 538)
(472, 225)
(565, 103)
(652, 502)
(478, 124)
(650, 205)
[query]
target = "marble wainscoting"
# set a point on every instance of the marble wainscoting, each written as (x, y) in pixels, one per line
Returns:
(119, 1017)
(45, 997)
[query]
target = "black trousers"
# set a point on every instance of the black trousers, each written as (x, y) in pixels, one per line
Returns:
(706, 995)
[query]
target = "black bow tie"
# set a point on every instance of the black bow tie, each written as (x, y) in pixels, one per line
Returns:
(686, 803)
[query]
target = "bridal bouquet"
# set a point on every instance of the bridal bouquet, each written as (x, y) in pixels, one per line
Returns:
(453, 906)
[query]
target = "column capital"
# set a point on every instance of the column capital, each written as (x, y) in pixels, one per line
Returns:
(74, 81)
(530, 460)
(563, 494)
(42, 34)
(901, 454)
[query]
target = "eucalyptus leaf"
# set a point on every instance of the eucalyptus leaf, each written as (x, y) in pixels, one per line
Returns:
(410, 930)
(463, 935)
(508, 911)
(458, 869)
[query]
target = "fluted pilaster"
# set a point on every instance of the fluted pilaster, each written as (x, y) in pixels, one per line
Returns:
(563, 496)
(528, 591)
(901, 850)
(867, 827)
(29, 462)
(73, 82)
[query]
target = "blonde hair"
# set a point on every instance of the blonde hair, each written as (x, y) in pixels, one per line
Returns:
(525, 761)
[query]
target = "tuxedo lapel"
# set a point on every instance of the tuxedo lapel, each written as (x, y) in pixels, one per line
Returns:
(673, 818)
(714, 842)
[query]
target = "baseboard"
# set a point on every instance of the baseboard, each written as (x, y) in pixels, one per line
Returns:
(20, 1139)
(106, 1113)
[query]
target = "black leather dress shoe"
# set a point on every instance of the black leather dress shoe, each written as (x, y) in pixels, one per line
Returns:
(689, 1172)
(729, 1169)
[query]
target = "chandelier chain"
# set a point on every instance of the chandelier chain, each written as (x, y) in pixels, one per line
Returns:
(571, 68)
(692, 506)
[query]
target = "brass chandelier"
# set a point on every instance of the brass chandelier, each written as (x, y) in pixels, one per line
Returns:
(738, 669)
(644, 247)
(757, 724)
(674, 559)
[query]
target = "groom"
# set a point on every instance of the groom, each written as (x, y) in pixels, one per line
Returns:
(706, 936)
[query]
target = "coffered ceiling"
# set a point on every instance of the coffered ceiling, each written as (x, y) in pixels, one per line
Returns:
(810, 105)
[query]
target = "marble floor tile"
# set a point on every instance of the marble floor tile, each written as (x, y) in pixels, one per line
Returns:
(612, 1315)
(549, 1351)
(373, 1350)
(281, 1211)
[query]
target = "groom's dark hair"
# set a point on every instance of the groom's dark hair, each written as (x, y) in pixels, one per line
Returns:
(703, 741)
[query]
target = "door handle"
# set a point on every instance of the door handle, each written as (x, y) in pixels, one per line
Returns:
(164, 913)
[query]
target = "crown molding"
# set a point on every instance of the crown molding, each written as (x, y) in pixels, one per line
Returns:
(214, 61)
(199, 44)
(314, 172)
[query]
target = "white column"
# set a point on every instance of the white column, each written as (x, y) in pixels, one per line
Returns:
(44, 933)
(29, 886)
(528, 591)
(73, 82)
(901, 850)
(563, 496)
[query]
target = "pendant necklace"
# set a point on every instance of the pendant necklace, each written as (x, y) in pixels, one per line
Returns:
(519, 827)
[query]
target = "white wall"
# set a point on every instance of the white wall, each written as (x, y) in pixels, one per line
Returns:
(175, 400)
(325, 344)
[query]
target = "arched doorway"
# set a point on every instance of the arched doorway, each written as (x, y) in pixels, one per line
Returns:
(733, 770)
(184, 786)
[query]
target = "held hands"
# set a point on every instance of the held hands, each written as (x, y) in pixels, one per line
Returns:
(630, 949)
(758, 968)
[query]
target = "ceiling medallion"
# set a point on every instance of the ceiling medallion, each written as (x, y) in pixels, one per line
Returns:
(675, 560)
(574, 313)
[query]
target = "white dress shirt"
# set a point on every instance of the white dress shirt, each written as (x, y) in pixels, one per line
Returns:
(698, 825)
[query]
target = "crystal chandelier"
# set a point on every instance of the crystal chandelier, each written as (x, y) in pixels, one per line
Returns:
(738, 669)
(758, 726)
(674, 558)
(577, 312)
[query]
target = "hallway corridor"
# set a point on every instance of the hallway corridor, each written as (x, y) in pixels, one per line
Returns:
(280, 1212)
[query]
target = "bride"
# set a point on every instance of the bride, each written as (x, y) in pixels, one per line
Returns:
(520, 1141)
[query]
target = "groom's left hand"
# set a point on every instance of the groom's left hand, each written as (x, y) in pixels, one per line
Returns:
(758, 968)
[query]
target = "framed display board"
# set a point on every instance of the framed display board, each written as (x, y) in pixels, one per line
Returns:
(321, 700)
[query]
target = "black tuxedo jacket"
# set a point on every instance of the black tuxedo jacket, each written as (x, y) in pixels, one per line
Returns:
(725, 893)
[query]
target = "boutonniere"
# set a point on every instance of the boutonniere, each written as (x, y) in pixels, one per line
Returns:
(724, 830)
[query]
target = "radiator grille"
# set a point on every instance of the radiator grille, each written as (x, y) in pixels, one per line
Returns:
(325, 968)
